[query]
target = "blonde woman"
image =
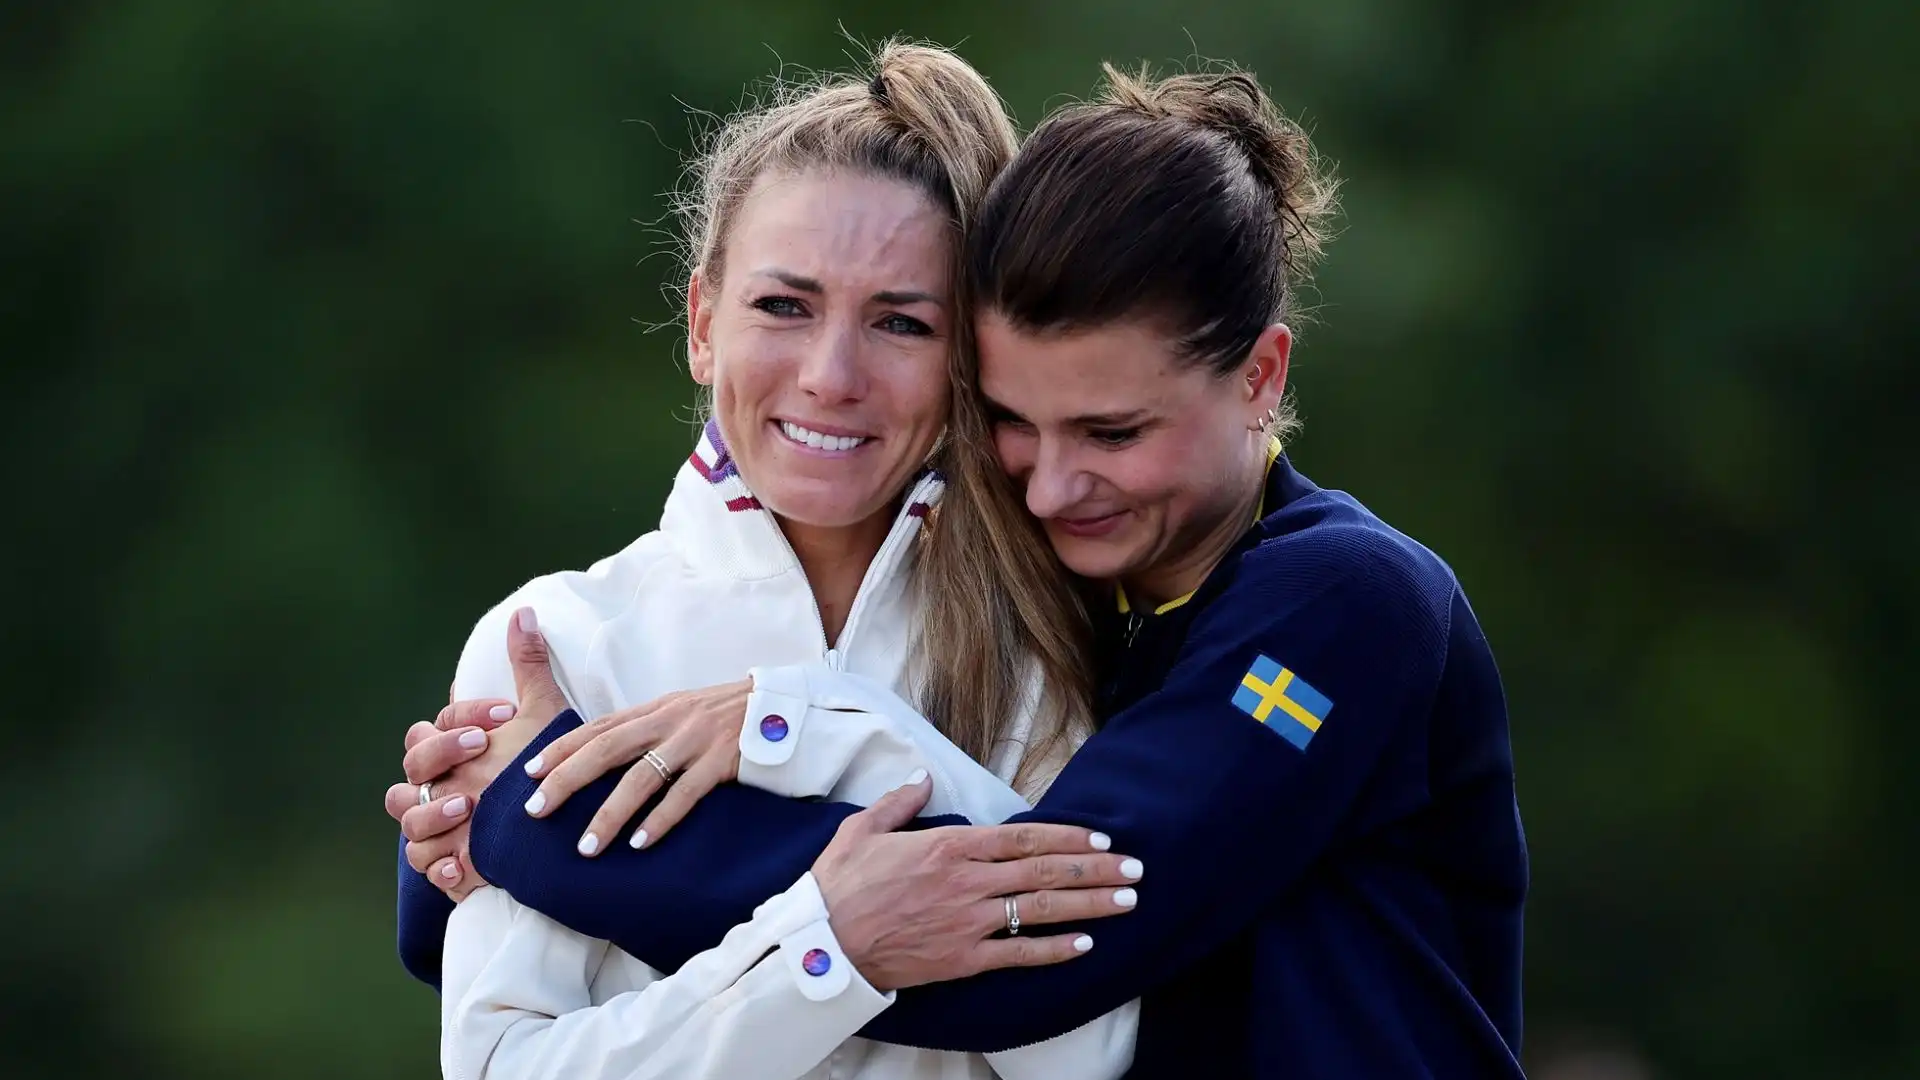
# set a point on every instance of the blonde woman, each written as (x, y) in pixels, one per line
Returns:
(821, 313)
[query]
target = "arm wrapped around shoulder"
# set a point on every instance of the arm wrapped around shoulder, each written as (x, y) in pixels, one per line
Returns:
(1228, 782)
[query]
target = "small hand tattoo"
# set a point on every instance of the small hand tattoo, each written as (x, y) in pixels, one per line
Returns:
(1075, 871)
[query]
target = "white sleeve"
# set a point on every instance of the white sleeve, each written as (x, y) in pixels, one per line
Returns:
(860, 740)
(811, 731)
(771, 1001)
(573, 606)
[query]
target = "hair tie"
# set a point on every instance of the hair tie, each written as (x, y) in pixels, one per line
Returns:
(879, 88)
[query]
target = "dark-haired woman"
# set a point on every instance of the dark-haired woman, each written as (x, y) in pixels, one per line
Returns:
(1304, 736)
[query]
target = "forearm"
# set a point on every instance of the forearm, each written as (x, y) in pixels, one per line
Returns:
(677, 898)
(421, 917)
(1206, 879)
(1225, 805)
(520, 1002)
(812, 732)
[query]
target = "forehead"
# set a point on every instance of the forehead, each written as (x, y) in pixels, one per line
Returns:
(1113, 369)
(842, 228)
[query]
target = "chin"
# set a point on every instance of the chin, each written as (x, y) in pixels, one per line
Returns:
(1100, 560)
(823, 509)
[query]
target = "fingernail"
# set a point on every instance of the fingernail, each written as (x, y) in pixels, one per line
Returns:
(918, 776)
(537, 803)
(1082, 943)
(1101, 841)
(639, 839)
(1131, 869)
(588, 844)
(1125, 897)
(450, 871)
(533, 765)
(455, 806)
(474, 739)
(501, 712)
(528, 622)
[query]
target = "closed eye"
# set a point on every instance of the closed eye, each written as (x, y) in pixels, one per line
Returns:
(1114, 437)
(1001, 417)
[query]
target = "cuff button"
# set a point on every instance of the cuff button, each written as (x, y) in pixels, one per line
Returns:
(773, 728)
(816, 962)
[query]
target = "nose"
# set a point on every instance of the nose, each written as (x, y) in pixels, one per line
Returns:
(1055, 483)
(834, 366)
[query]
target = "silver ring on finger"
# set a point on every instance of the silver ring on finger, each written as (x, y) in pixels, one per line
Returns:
(653, 758)
(1013, 916)
(426, 793)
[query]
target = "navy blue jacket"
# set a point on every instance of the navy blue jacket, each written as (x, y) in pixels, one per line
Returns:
(1311, 758)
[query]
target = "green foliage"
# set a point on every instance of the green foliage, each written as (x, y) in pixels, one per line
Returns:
(326, 326)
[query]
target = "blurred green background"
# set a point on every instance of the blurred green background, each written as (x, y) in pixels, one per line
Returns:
(326, 325)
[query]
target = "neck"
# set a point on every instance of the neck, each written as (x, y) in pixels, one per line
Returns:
(835, 561)
(1188, 565)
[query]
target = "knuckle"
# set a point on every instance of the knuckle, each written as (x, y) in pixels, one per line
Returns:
(1026, 840)
(1045, 873)
(1045, 904)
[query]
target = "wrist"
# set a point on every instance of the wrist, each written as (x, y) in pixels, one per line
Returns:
(775, 710)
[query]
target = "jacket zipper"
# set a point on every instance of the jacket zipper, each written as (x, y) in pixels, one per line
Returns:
(835, 655)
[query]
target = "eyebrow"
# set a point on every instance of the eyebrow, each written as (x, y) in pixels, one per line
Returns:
(801, 283)
(1130, 418)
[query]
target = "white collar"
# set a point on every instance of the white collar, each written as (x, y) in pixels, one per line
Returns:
(722, 527)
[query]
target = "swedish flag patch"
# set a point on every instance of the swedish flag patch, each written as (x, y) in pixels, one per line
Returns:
(1281, 700)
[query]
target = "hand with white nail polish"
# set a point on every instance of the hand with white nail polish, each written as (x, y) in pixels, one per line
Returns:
(459, 754)
(696, 732)
(929, 906)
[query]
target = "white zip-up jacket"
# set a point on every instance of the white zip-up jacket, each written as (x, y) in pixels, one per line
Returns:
(714, 593)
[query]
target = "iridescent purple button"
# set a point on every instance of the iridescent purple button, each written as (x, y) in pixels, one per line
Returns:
(773, 728)
(816, 961)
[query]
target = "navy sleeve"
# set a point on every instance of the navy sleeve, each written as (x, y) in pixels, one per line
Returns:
(679, 897)
(422, 913)
(1224, 810)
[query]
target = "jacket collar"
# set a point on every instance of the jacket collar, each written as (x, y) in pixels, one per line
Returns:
(722, 527)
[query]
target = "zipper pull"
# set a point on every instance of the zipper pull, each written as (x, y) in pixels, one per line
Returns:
(833, 659)
(1134, 622)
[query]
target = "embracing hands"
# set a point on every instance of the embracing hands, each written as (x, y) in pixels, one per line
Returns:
(919, 907)
(694, 735)
(908, 907)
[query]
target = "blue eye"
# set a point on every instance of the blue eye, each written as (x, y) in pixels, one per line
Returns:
(905, 324)
(784, 307)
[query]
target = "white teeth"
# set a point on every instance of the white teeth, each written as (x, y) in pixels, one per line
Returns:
(818, 441)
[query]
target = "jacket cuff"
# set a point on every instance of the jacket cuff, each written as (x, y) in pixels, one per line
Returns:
(812, 954)
(776, 712)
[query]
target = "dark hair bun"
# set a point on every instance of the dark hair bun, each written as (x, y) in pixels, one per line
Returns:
(1278, 151)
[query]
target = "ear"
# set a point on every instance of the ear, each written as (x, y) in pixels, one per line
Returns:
(1265, 371)
(700, 331)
